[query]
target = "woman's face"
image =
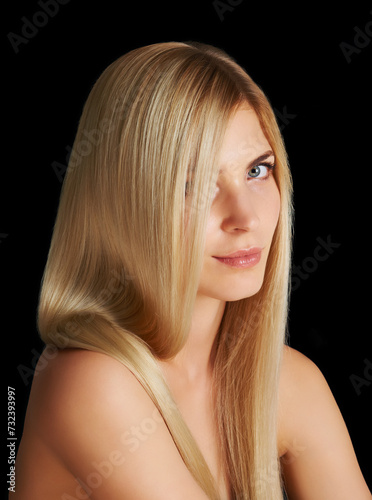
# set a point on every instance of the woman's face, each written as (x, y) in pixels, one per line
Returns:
(244, 212)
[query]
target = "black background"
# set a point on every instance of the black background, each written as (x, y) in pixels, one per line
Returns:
(295, 54)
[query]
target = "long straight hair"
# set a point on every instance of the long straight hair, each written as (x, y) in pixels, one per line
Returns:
(126, 253)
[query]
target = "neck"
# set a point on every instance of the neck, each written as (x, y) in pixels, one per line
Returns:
(195, 360)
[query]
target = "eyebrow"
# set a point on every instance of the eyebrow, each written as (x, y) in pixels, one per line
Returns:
(257, 160)
(262, 157)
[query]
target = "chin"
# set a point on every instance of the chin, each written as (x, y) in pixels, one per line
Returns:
(235, 295)
(233, 290)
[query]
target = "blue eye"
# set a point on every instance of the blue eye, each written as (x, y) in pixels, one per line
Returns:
(260, 171)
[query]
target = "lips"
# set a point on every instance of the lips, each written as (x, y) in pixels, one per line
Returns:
(241, 259)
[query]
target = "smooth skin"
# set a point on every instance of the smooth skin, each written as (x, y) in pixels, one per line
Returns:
(91, 431)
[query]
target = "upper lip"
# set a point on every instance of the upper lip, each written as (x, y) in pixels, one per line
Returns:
(240, 253)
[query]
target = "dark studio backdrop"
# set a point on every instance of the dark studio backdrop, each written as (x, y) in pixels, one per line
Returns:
(314, 63)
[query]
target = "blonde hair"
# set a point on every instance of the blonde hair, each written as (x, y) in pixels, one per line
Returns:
(124, 263)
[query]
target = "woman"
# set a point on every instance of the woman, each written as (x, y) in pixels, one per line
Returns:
(164, 303)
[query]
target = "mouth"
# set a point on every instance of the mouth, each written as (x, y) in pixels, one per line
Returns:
(241, 259)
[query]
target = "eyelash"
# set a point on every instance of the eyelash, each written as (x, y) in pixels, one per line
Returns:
(269, 166)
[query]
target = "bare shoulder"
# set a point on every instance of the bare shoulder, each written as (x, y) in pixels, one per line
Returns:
(294, 360)
(82, 377)
(61, 368)
(317, 454)
(95, 417)
(78, 387)
(300, 381)
(298, 373)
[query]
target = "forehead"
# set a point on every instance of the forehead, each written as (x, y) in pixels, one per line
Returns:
(244, 139)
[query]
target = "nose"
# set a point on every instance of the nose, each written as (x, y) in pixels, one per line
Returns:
(238, 211)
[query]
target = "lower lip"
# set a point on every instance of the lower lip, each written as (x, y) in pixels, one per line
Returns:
(243, 262)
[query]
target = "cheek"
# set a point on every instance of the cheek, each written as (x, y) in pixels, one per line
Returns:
(211, 233)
